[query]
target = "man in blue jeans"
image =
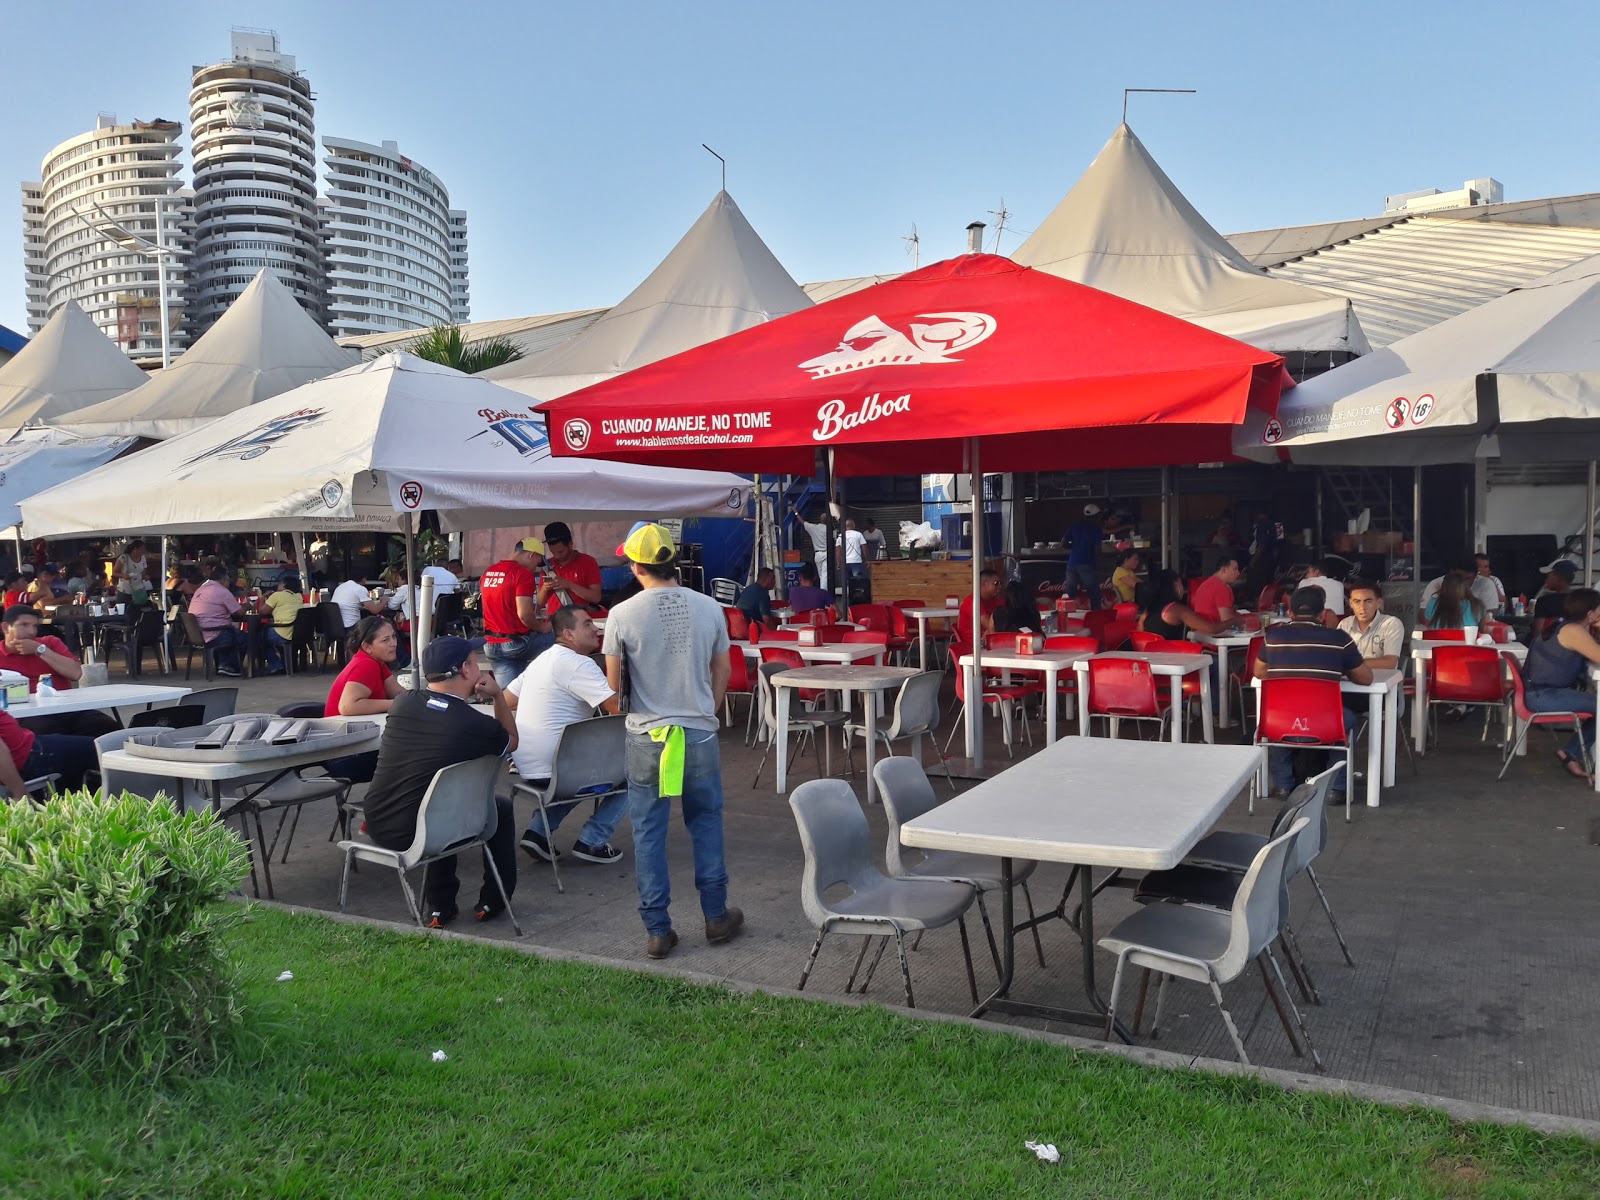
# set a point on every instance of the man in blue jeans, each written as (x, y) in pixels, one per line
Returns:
(666, 651)
(1083, 540)
(1305, 648)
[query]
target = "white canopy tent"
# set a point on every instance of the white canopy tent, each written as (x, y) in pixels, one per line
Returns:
(365, 449)
(68, 365)
(719, 278)
(264, 345)
(1125, 228)
(1516, 378)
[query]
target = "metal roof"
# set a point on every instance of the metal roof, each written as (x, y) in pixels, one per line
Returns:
(1416, 272)
(530, 334)
(1270, 247)
(11, 341)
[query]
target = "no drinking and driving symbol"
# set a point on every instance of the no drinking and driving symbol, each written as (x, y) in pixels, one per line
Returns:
(411, 494)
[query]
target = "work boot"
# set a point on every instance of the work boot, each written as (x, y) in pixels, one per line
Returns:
(720, 929)
(660, 945)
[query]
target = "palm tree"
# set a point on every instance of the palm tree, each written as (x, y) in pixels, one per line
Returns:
(447, 346)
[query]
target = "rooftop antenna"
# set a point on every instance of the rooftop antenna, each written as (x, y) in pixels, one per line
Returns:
(1001, 215)
(914, 247)
(1171, 91)
(721, 160)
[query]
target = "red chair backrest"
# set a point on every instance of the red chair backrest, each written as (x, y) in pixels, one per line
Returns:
(1066, 641)
(738, 623)
(1444, 635)
(1126, 612)
(1519, 698)
(1307, 712)
(908, 604)
(781, 635)
(754, 632)
(868, 637)
(1467, 675)
(789, 658)
(739, 675)
(832, 635)
(1252, 655)
(1173, 646)
(1122, 687)
(872, 616)
(1113, 635)
(899, 626)
(1097, 619)
(1140, 640)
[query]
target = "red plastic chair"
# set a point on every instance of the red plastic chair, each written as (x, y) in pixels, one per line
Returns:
(1067, 681)
(1114, 635)
(1009, 699)
(791, 658)
(1240, 680)
(868, 637)
(1096, 619)
(1444, 635)
(1526, 719)
(780, 635)
(1301, 713)
(1122, 689)
(1473, 676)
(738, 623)
(1126, 612)
(833, 635)
(740, 683)
(871, 616)
(1141, 640)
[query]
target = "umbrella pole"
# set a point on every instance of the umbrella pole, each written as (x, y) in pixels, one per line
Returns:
(166, 626)
(1588, 530)
(975, 692)
(411, 593)
(17, 532)
(836, 583)
(1416, 533)
(1166, 517)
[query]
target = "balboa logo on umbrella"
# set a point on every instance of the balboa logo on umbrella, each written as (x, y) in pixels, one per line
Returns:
(523, 432)
(874, 342)
(255, 442)
(332, 493)
(576, 431)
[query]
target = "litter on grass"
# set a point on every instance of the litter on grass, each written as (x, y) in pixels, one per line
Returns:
(441, 1056)
(1045, 1151)
(285, 977)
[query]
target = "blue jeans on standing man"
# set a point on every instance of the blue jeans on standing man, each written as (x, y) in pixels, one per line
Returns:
(651, 813)
(1084, 577)
(510, 658)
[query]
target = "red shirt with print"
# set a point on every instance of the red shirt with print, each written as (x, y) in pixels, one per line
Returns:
(500, 586)
(363, 669)
(581, 569)
(33, 666)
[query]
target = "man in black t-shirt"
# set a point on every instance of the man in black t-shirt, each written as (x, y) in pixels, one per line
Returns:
(430, 730)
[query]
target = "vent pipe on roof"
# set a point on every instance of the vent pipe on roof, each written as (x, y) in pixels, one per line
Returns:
(975, 237)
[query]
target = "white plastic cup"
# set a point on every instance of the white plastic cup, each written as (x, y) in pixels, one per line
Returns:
(1470, 632)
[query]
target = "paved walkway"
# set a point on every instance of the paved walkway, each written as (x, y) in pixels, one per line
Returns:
(1468, 904)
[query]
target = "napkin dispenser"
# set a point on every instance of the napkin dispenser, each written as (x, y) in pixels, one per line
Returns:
(1063, 604)
(1029, 643)
(809, 637)
(952, 601)
(14, 687)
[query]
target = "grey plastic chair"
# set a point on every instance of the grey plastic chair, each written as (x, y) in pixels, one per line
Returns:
(810, 723)
(219, 702)
(906, 793)
(1214, 947)
(916, 712)
(1210, 873)
(837, 845)
(457, 813)
(151, 787)
(591, 763)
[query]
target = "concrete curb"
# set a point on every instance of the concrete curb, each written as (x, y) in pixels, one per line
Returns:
(1456, 1110)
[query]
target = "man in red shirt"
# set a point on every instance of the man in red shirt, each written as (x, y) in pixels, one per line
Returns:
(26, 653)
(577, 576)
(1213, 595)
(989, 599)
(514, 631)
(27, 755)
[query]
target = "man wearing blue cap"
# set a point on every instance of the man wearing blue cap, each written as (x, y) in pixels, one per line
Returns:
(666, 651)
(425, 732)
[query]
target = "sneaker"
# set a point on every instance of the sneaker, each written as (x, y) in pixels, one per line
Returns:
(720, 929)
(659, 945)
(606, 853)
(539, 846)
(487, 912)
(438, 920)
(230, 672)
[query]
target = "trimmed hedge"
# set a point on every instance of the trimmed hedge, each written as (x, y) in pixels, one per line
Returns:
(110, 913)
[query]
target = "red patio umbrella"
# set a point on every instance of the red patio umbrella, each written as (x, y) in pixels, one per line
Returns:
(922, 373)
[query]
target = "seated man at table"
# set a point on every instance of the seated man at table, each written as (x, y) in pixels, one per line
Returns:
(1213, 595)
(26, 653)
(807, 595)
(283, 605)
(1305, 648)
(563, 685)
(1379, 636)
(355, 601)
(215, 608)
(755, 600)
(1551, 599)
(26, 755)
(425, 732)
(42, 589)
(989, 601)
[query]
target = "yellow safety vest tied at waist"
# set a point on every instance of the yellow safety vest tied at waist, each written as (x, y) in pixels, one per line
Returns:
(670, 771)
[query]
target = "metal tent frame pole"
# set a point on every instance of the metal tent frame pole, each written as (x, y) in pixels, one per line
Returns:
(1588, 529)
(1166, 518)
(975, 692)
(1416, 533)
(411, 593)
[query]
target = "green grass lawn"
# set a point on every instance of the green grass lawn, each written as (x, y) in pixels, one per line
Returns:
(567, 1080)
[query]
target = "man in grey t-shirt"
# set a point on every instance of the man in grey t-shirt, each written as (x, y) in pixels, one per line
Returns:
(666, 651)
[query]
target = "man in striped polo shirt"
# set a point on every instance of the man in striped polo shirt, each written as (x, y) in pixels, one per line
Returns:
(1305, 648)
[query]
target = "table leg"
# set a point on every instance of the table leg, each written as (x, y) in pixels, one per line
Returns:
(782, 734)
(974, 710)
(1374, 750)
(1391, 732)
(1205, 703)
(1083, 701)
(1224, 716)
(922, 643)
(869, 709)
(1419, 717)
(1177, 707)
(1052, 701)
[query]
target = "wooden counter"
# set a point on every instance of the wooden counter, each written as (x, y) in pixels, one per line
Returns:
(918, 579)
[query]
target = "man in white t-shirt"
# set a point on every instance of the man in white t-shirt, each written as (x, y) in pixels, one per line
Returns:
(355, 602)
(560, 686)
(817, 531)
(1332, 588)
(855, 547)
(444, 578)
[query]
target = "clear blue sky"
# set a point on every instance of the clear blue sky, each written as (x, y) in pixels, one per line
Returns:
(571, 132)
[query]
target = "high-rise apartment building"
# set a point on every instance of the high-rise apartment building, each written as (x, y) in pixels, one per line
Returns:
(255, 179)
(97, 203)
(396, 252)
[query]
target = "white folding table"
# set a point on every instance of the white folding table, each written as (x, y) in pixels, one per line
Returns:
(95, 699)
(932, 612)
(1224, 643)
(1422, 654)
(839, 653)
(1088, 802)
(845, 679)
(1383, 726)
(1175, 667)
(1049, 663)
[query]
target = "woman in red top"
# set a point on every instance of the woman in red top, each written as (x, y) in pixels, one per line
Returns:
(15, 588)
(365, 687)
